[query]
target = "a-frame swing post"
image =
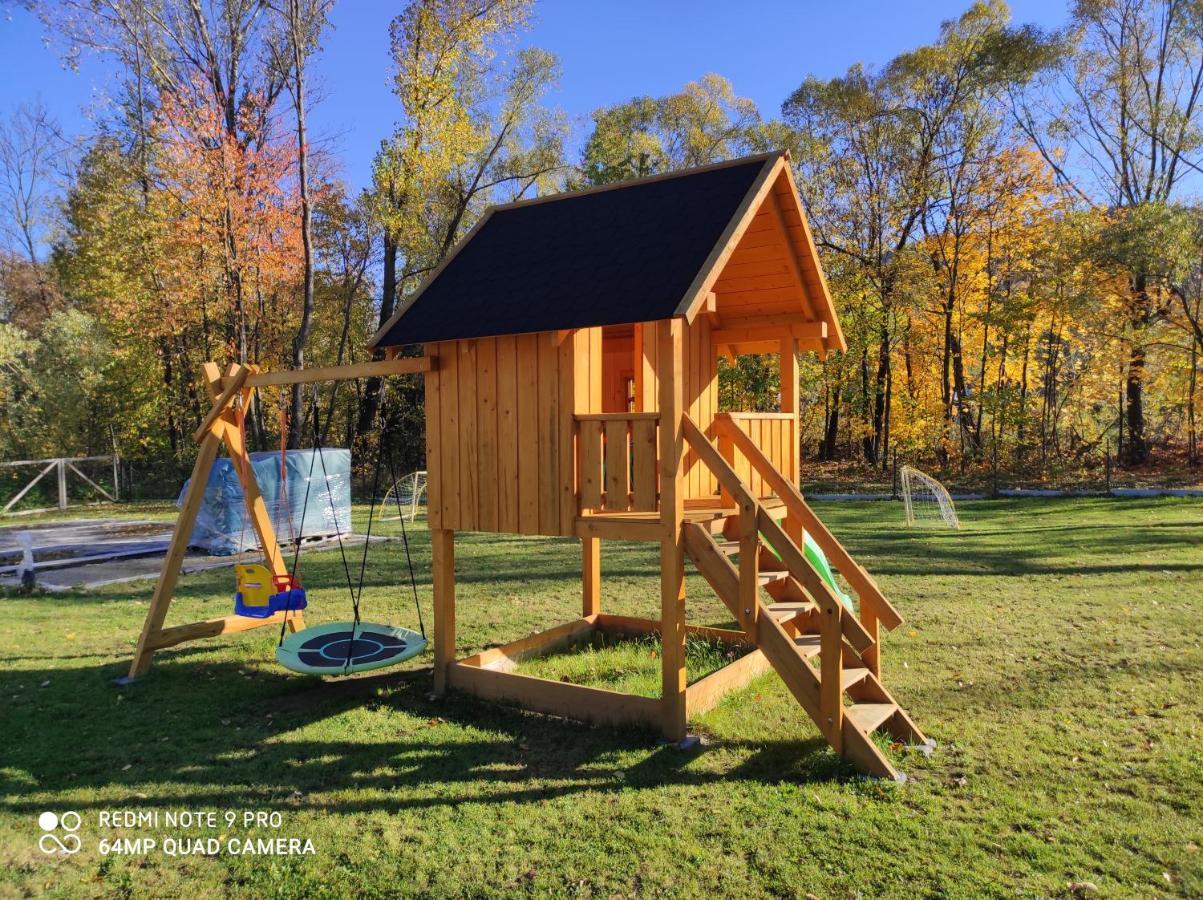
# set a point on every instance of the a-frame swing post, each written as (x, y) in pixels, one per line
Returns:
(217, 429)
(170, 571)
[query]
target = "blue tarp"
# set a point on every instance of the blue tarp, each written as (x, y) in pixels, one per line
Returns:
(222, 523)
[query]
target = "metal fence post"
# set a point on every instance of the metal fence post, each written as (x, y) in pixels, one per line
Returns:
(62, 484)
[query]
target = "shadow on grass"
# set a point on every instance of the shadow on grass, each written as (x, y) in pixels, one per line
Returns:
(215, 734)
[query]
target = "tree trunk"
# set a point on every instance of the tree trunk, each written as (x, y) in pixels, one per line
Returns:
(831, 427)
(1137, 449)
(302, 336)
(388, 301)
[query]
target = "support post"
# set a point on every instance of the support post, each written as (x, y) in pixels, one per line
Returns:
(590, 576)
(62, 484)
(669, 365)
(831, 662)
(169, 572)
(442, 543)
(790, 403)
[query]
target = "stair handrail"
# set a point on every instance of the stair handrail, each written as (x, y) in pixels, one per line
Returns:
(874, 604)
(834, 621)
(795, 561)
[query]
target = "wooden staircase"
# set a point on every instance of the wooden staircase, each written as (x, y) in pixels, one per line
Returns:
(827, 656)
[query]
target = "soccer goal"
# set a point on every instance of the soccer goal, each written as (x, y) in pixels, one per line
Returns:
(926, 500)
(408, 494)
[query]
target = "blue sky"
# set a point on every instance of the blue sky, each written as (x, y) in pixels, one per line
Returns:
(610, 50)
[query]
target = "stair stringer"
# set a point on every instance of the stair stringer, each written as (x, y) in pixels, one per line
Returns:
(779, 649)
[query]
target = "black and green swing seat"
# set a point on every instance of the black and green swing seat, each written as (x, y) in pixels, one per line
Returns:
(341, 648)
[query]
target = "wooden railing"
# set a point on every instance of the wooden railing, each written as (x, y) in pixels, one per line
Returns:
(616, 462)
(774, 434)
(836, 623)
(875, 609)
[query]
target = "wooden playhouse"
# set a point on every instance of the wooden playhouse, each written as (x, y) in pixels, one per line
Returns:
(570, 351)
(573, 391)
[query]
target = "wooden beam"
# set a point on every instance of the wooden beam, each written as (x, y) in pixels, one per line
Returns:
(791, 401)
(669, 363)
(169, 572)
(178, 634)
(809, 333)
(556, 698)
(232, 385)
(619, 528)
(442, 544)
(506, 657)
(402, 365)
(706, 693)
(590, 576)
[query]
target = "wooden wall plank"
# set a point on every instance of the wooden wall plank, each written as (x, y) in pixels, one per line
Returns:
(527, 359)
(434, 458)
(469, 447)
(574, 375)
(486, 431)
(549, 437)
(449, 410)
(507, 434)
(643, 479)
(590, 441)
(650, 399)
(617, 462)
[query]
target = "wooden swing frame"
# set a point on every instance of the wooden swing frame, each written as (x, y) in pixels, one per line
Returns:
(220, 429)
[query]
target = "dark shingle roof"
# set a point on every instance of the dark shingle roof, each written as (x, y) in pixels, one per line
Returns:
(608, 257)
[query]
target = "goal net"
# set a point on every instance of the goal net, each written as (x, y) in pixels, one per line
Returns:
(926, 500)
(408, 494)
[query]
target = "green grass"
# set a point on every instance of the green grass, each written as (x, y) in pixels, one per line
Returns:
(1052, 649)
(627, 664)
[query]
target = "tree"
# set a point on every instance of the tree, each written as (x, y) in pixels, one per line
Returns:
(301, 26)
(1119, 121)
(30, 146)
(472, 132)
(706, 122)
(871, 148)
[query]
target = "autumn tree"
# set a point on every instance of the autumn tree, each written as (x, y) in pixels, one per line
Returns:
(1119, 120)
(472, 132)
(703, 123)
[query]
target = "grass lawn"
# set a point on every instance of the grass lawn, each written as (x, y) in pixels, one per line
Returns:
(1052, 649)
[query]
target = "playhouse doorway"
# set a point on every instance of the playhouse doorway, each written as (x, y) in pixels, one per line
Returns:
(618, 369)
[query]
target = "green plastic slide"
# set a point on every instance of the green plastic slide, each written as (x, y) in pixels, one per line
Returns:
(815, 556)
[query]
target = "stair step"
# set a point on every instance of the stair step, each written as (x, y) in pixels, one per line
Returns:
(789, 609)
(808, 645)
(853, 676)
(868, 716)
(727, 548)
(767, 578)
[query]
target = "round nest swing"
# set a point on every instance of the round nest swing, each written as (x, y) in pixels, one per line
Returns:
(341, 648)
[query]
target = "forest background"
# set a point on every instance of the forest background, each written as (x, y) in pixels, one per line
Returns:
(1009, 218)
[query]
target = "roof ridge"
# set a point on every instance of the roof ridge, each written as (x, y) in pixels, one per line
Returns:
(760, 158)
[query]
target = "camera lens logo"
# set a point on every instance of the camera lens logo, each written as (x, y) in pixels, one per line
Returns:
(59, 833)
